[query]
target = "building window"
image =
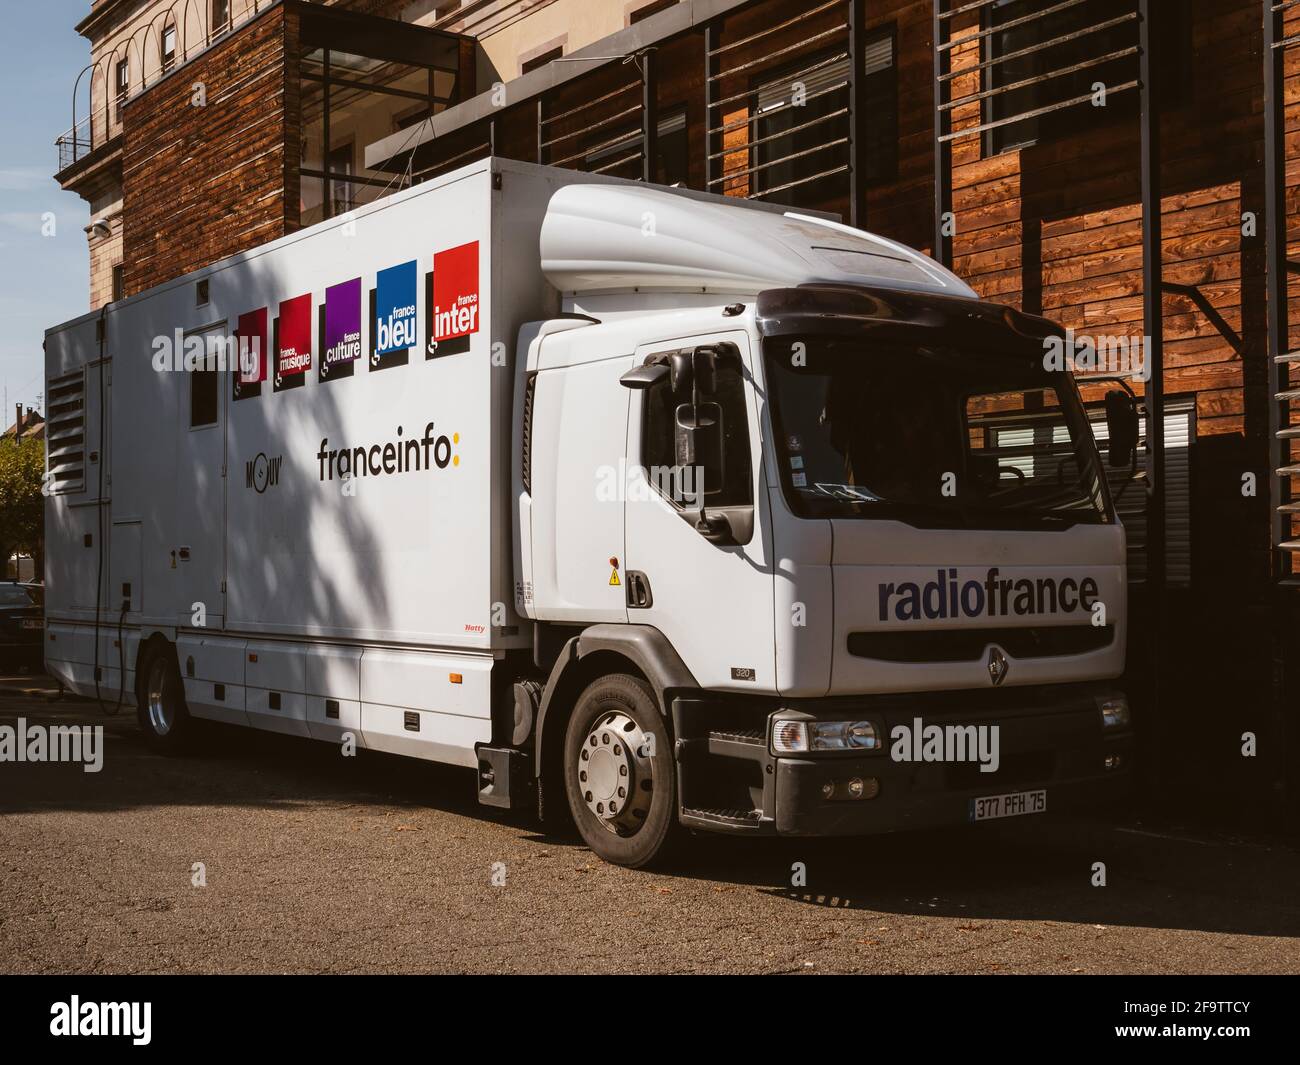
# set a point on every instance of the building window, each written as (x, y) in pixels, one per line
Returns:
(800, 132)
(1042, 68)
(672, 167)
(341, 189)
(119, 283)
(1128, 493)
(350, 100)
(203, 394)
(220, 17)
(168, 47)
(646, 10)
(123, 80)
(549, 56)
(671, 163)
(411, 118)
(880, 98)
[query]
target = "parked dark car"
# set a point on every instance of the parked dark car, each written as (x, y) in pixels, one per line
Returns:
(22, 625)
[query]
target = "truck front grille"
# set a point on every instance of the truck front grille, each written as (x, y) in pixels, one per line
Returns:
(967, 645)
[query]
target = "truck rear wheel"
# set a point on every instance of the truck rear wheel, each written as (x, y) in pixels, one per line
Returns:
(619, 773)
(162, 712)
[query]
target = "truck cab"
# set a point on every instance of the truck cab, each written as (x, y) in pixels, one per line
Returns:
(832, 555)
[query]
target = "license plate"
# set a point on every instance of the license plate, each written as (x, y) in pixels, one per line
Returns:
(33, 623)
(1013, 804)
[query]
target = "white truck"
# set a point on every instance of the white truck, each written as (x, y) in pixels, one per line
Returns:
(657, 509)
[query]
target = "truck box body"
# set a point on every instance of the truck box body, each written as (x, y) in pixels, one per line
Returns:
(251, 524)
(413, 505)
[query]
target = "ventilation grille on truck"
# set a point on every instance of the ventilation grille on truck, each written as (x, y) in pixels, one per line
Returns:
(65, 433)
(530, 388)
(967, 645)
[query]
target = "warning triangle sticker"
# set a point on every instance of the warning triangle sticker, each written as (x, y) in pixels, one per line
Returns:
(613, 579)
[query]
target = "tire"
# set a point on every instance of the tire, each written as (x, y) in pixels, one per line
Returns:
(161, 710)
(619, 772)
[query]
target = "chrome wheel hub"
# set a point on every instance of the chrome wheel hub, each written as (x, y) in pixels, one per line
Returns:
(161, 714)
(616, 773)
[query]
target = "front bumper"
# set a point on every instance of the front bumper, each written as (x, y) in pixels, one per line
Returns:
(1048, 739)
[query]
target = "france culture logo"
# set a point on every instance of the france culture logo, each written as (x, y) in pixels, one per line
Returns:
(395, 311)
(342, 329)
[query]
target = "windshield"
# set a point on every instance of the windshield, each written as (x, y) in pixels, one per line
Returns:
(931, 436)
(18, 595)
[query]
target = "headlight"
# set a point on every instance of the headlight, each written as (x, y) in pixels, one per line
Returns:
(792, 737)
(842, 736)
(1115, 713)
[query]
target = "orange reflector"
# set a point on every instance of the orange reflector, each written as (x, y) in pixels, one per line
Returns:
(456, 678)
(252, 658)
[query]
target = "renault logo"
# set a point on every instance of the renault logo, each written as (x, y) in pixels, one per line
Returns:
(997, 666)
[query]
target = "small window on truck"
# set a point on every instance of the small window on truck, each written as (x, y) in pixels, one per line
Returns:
(203, 396)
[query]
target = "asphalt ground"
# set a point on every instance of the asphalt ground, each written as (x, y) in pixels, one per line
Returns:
(313, 862)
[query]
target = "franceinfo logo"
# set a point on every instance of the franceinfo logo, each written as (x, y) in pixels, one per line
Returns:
(990, 596)
(405, 454)
(75, 1017)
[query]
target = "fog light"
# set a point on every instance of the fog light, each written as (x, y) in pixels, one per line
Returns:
(1114, 761)
(853, 788)
(1115, 713)
(789, 737)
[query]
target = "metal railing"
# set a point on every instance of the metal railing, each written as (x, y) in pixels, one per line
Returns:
(76, 143)
(754, 85)
(1280, 37)
(147, 65)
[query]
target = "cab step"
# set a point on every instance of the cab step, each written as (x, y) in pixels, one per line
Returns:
(726, 820)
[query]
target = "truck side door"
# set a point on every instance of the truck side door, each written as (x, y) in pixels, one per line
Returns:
(713, 600)
(198, 555)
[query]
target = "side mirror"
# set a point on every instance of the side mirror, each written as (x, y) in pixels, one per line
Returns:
(697, 446)
(1121, 428)
(695, 370)
(645, 376)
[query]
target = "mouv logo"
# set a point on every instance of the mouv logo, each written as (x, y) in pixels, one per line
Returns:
(262, 473)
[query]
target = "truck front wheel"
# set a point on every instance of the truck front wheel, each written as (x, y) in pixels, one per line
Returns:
(619, 773)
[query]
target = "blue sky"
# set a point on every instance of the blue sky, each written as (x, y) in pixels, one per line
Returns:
(43, 280)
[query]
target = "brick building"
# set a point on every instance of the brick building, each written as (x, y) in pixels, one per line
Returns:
(1122, 166)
